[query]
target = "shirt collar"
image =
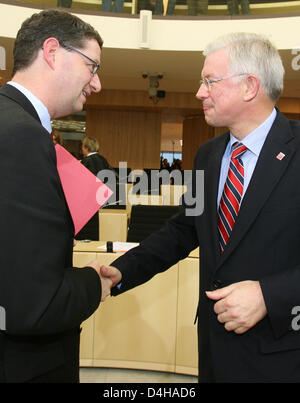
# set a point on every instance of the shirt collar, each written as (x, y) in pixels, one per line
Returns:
(255, 140)
(38, 105)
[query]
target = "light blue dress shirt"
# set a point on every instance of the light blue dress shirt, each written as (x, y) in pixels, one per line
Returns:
(38, 105)
(254, 142)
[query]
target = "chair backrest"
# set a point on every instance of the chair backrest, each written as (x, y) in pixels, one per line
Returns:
(146, 219)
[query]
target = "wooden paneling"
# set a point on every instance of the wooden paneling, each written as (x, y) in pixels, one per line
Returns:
(126, 135)
(195, 132)
(289, 105)
(293, 116)
(186, 336)
(140, 100)
(180, 102)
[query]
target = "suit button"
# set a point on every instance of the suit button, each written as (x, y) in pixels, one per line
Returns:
(217, 284)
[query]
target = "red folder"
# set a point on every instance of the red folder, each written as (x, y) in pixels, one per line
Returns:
(84, 192)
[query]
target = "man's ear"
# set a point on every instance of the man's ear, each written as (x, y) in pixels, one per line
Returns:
(50, 48)
(252, 85)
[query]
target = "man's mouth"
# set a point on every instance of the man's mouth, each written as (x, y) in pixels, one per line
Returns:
(206, 108)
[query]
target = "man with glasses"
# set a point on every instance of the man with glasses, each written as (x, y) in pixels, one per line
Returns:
(249, 231)
(45, 299)
(94, 66)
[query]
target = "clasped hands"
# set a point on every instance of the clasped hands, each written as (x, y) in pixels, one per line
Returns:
(239, 306)
(109, 277)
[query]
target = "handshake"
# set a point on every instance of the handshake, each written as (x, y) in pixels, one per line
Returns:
(109, 276)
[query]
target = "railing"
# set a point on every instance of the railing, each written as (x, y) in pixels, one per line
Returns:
(179, 8)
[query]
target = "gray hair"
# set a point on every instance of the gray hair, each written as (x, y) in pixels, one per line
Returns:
(255, 54)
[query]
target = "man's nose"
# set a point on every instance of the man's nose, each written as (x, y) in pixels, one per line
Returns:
(202, 92)
(95, 83)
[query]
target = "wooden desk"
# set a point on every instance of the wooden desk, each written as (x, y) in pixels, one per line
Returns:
(93, 246)
(149, 327)
(187, 300)
(113, 225)
(172, 194)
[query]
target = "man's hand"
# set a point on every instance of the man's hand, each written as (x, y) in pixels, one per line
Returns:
(240, 305)
(112, 273)
(106, 281)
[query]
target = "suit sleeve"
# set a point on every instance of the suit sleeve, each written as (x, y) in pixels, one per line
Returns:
(39, 289)
(157, 253)
(95, 163)
(86, 162)
(281, 295)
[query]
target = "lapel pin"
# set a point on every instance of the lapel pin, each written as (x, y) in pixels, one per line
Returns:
(280, 156)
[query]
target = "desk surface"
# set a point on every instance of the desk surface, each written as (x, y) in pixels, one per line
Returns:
(92, 246)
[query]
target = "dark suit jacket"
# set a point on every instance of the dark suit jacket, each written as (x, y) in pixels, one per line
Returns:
(94, 163)
(264, 246)
(44, 297)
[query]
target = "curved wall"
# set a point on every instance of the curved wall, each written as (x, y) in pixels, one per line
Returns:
(168, 34)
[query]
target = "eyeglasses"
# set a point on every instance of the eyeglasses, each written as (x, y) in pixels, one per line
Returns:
(95, 65)
(208, 81)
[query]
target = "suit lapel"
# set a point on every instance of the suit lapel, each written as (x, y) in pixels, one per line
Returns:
(266, 175)
(13, 93)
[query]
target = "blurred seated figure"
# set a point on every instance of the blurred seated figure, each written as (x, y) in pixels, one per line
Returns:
(117, 7)
(57, 137)
(197, 7)
(233, 7)
(64, 3)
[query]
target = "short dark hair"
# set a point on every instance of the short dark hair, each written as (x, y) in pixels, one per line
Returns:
(63, 26)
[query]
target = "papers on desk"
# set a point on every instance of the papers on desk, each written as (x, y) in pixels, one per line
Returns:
(121, 246)
(84, 192)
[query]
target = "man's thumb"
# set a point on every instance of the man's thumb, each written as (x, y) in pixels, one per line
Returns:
(105, 271)
(218, 294)
(112, 272)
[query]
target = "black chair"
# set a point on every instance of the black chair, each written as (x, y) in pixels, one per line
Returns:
(146, 219)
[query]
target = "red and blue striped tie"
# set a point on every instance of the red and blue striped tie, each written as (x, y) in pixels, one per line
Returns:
(232, 195)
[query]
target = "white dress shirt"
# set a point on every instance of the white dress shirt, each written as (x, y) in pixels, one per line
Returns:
(38, 105)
